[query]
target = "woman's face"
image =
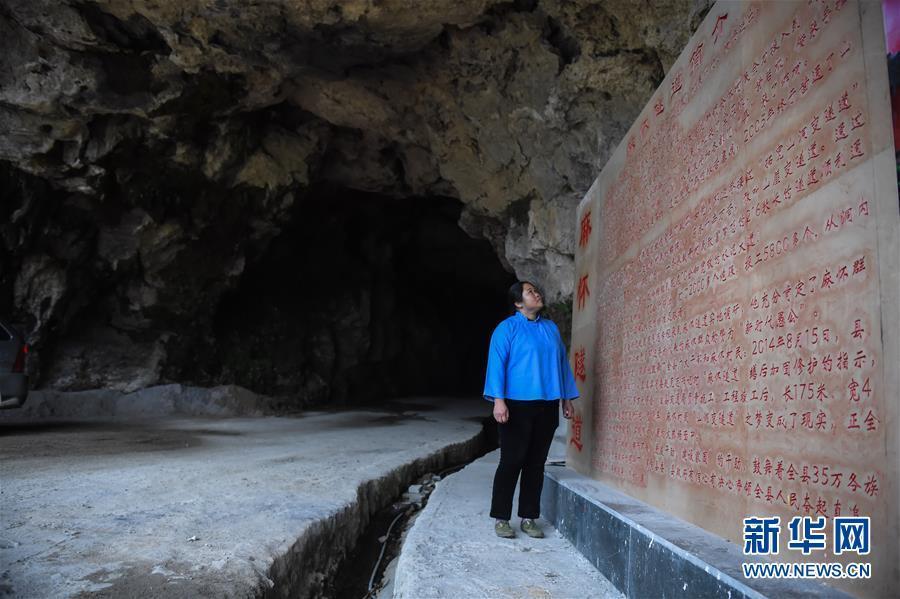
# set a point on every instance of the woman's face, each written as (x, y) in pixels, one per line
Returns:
(531, 298)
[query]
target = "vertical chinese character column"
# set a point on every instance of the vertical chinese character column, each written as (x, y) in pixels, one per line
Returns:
(584, 332)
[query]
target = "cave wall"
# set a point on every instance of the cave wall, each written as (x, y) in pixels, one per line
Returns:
(150, 152)
(397, 301)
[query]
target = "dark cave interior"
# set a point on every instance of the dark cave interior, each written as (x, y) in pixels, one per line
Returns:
(361, 297)
(353, 298)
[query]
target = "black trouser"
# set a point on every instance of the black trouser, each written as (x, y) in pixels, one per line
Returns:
(524, 443)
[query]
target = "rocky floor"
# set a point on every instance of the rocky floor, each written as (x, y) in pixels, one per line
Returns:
(206, 507)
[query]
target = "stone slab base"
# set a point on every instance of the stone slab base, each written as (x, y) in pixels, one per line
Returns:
(647, 553)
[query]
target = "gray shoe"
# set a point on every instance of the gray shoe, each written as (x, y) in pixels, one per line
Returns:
(530, 528)
(504, 530)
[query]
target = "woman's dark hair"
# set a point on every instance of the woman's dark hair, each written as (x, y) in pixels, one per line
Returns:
(515, 293)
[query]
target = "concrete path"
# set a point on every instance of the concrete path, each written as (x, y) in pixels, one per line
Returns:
(452, 551)
(208, 507)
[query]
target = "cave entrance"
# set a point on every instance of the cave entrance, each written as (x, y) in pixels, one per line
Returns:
(363, 297)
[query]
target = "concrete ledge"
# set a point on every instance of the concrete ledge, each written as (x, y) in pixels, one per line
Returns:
(647, 553)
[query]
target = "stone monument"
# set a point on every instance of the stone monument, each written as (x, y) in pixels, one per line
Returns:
(735, 322)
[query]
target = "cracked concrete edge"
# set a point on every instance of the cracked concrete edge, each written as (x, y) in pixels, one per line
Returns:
(305, 568)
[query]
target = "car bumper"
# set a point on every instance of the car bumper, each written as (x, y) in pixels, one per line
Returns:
(13, 390)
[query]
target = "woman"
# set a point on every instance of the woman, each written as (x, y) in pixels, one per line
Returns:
(527, 376)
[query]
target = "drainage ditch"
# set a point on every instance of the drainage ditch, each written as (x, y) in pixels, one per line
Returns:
(361, 575)
(345, 556)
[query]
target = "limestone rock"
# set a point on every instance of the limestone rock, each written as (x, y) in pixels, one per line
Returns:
(150, 152)
(40, 286)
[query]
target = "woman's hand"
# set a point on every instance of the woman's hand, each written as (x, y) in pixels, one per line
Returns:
(501, 412)
(568, 409)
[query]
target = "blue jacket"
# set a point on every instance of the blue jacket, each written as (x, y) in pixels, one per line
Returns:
(527, 361)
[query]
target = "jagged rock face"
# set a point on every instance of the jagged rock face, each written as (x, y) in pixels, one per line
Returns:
(150, 152)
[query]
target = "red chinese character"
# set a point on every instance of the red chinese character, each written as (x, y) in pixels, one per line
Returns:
(696, 57)
(846, 215)
(839, 160)
(817, 74)
(719, 26)
(842, 273)
(814, 151)
(576, 432)
(844, 102)
(806, 420)
(807, 506)
(842, 361)
(677, 83)
(583, 291)
(579, 365)
(854, 390)
(857, 329)
(871, 486)
(839, 133)
(808, 233)
(585, 228)
(871, 421)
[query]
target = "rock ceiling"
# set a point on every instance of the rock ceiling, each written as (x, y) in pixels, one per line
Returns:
(150, 149)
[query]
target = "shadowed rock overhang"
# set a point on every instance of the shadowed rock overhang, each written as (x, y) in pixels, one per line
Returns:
(151, 152)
